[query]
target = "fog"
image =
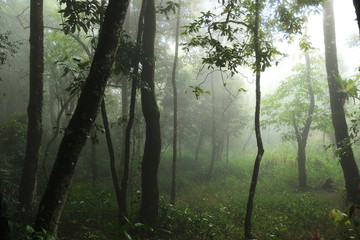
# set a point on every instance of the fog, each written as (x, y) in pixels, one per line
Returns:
(78, 162)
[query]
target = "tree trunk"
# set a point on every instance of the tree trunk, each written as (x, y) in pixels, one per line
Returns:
(357, 11)
(260, 153)
(54, 198)
(303, 136)
(173, 80)
(149, 168)
(347, 161)
(34, 130)
(198, 145)
(127, 136)
(213, 129)
(112, 157)
(124, 113)
(227, 145)
(93, 156)
(4, 225)
(301, 158)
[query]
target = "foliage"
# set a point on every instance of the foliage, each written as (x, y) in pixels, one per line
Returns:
(32, 235)
(291, 100)
(7, 47)
(80, 15)
(170, 7)
(13, 138)
(229, 42)
(348, 227)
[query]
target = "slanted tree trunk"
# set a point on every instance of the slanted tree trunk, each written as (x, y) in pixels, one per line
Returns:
(112, 157)
(151, 158)
(173, 80)
(54, 198)
(260, 152)
(347, 161)
(34, 130)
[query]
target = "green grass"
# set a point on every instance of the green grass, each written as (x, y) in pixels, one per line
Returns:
(216, 209)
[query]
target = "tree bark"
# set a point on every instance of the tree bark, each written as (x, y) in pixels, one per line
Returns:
(34, 131)
(260, 152)
(151, 158)
(347, 161)
(53, 200)
(173, 80)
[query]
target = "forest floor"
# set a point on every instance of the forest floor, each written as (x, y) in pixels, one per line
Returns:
(215, 209)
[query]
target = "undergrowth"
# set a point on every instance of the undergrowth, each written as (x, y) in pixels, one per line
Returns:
(215, 209)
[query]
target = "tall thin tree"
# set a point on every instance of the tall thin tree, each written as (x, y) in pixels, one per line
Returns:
(134, 85)
(347, 160)
(260, 153)
(173, 81)
(151, 158)
(34, 131)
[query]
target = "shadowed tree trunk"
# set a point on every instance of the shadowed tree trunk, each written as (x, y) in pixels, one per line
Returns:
(260, 153)
(4, 225)
(149, 167)
(54, 198)
(29, 173)
(173, 80)
(124, 112)
(347, 161)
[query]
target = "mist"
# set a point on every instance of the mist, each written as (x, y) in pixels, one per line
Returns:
(179, 119)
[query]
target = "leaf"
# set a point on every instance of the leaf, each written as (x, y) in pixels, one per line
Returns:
(29, 229)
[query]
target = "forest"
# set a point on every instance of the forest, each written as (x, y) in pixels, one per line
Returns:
(179, 119)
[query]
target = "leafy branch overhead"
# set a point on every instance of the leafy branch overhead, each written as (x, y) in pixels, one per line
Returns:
(80, 15)
(228, 40)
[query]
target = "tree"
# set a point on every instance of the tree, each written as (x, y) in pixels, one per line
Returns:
(29, 173)
(151, 158)
(54, 198)
(175, 124)
(256, 42)
(292, 107)
(134, 53)
(347, 160)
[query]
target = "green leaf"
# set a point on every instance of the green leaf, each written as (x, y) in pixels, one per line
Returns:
(29, 229)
